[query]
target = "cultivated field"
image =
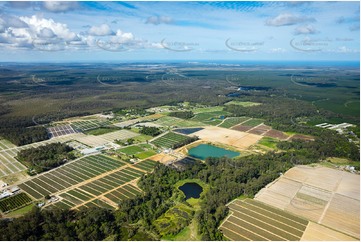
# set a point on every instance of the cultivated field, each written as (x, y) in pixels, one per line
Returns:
(99, 140)
(96, 180)
(89, 124)
(169, 139)
(60, 130)
(228, 137)
(232, 121)
(9, 165)
(69, 175)
(327, 196)
(14, 202)
(316, 232)
(253, 220)
(210, 118)
(167, 121)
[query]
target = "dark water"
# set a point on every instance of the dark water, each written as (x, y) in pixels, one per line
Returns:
(191, 189)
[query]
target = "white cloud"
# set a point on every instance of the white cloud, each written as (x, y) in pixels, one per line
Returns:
(306, 29)
(288, 19)
(101, 30)
(7, 21)
(156, 20)
(58, 6)
(37, 24)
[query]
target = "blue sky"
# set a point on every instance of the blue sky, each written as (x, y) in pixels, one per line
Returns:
(136, 31)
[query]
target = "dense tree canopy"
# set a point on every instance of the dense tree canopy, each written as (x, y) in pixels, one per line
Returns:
(45, 157)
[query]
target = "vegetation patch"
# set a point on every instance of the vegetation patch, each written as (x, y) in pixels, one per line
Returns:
(44, 158)
(174, 220)
(243, 104)
(269, 142)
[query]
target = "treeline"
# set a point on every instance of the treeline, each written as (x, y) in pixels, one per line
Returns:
(182, 114)
(21, 131)
(327, 143)
(54, 225)
(45, 157)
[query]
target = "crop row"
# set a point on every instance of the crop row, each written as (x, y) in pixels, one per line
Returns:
(146, 165)
(14, 202)
(70, 174)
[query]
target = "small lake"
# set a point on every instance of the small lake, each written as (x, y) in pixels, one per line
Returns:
(204, 150)
(191, 189)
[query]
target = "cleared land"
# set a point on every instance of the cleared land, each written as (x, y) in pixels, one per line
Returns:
(253, 220)
(233, 138)
(327, 196)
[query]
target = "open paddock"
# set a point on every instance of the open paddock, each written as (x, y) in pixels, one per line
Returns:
(323, 195)
(228, 137)
(242, 128)
(260, 129)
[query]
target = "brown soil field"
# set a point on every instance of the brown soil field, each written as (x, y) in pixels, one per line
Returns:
(276, 134)
(242, 128)
(162, 158)
(260, 129)
(233, 138)
(318, 232)
(323, 195)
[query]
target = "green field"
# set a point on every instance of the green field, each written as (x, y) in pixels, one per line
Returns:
(146, 165)
(169, 140)
(210, 118)
(232, 121)
(269, 142)
(14, 202)
(100, 131)
(131, 150)
(177, 122)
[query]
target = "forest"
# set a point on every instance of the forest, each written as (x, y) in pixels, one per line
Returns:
(45, 157)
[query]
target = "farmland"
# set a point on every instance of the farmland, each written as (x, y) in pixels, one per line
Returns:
(232, 121)
(8, 163)
(69, 175)
(89, 124)
(252, 220)
(169, 140)
(210, 118)
(14, 202)
(318, 194)
(224, 136)
(177, 122)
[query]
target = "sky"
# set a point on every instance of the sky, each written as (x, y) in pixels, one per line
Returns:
(149, 31)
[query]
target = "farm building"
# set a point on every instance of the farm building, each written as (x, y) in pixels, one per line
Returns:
(92, 150)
